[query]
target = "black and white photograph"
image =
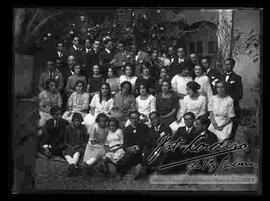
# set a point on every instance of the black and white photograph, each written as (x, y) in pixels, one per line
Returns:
(136, 99)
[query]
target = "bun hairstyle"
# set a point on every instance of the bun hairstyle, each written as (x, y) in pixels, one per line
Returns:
(194, 86)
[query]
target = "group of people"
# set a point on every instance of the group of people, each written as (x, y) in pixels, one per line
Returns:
(99, 104)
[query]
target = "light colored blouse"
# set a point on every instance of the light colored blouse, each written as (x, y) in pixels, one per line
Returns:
(179, 83)
(132, 80)
(101, 107)
(47, 100)
(78, 102)
(114, 84)
(114, 138)
(205, 89)
(198, 106)
(146, 106)
(222, 107)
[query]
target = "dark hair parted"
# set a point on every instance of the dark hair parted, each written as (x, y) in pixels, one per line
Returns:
(109, 95)
(224, 84)
(55, 109)
(48, 82)
(101, 115)
(190, 114)
(232, 61)
(77, 116)
(126, 83)
(205, 121)
(144, 85)
(80, 82)
(115, 120)
(134, 112)
(168, 82)
(154, 112)
(194, 86)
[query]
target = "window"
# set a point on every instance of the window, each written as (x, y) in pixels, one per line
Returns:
(192, 47)
(199, 47)
(211, 47)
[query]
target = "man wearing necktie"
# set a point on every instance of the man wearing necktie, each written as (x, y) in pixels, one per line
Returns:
(234, 89)
(85, 55)
(75, 50)
(179, 62)
(154, 133)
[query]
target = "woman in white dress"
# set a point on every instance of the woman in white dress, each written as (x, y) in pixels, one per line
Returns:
(128, 76)
(204, 81)
(179, 85)
(193, 102)
(221, 111)
(145, 104)
(77, 102)
(100, 103)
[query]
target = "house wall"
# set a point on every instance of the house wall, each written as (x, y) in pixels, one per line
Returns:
(245, 21)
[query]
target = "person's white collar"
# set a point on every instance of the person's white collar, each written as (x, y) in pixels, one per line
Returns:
(107, 50)
(203, 132)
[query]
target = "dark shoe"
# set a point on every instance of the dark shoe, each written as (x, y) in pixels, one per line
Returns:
(71, 170)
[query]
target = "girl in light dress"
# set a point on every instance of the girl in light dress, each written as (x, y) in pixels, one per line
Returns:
(221, 111)
(204, 81)
(179, 86)
(95, 148)
(193, 102)
(100, 103)
(77, 102)
(114, 142)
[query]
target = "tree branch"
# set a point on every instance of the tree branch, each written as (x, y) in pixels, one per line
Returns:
(32, 20)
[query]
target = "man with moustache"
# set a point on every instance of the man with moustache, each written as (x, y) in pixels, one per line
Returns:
(179, 61)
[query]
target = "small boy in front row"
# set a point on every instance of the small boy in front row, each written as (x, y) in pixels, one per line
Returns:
(75, 140)
(52, 140)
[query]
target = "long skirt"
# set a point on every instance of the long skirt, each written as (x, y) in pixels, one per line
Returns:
(226, 131)
(93, 151)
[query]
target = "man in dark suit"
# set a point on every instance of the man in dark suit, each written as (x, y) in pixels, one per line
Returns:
(85, 58)
(140, 57)
(153, 135)
(212, 73)
(59, 53)
(179, 61)
(171, 54)
(93, 56)
(53, 134)
(106, 57)
(235, 90)
(193, 61)
(76, 50)
(134, 140)
(201, 125)
(187, 133)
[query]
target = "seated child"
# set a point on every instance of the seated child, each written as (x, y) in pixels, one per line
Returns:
(75, 141)
(52, 140)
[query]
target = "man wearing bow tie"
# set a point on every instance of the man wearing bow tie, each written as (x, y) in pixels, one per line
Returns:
(234, 89)
(212, 73)
(171, 54)
(178, 63)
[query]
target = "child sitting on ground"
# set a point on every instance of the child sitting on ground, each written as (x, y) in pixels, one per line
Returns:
(75, 140)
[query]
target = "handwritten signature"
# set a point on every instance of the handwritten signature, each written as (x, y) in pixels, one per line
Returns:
(165, 144)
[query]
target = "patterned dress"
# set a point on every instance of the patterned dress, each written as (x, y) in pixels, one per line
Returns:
(79, 103)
